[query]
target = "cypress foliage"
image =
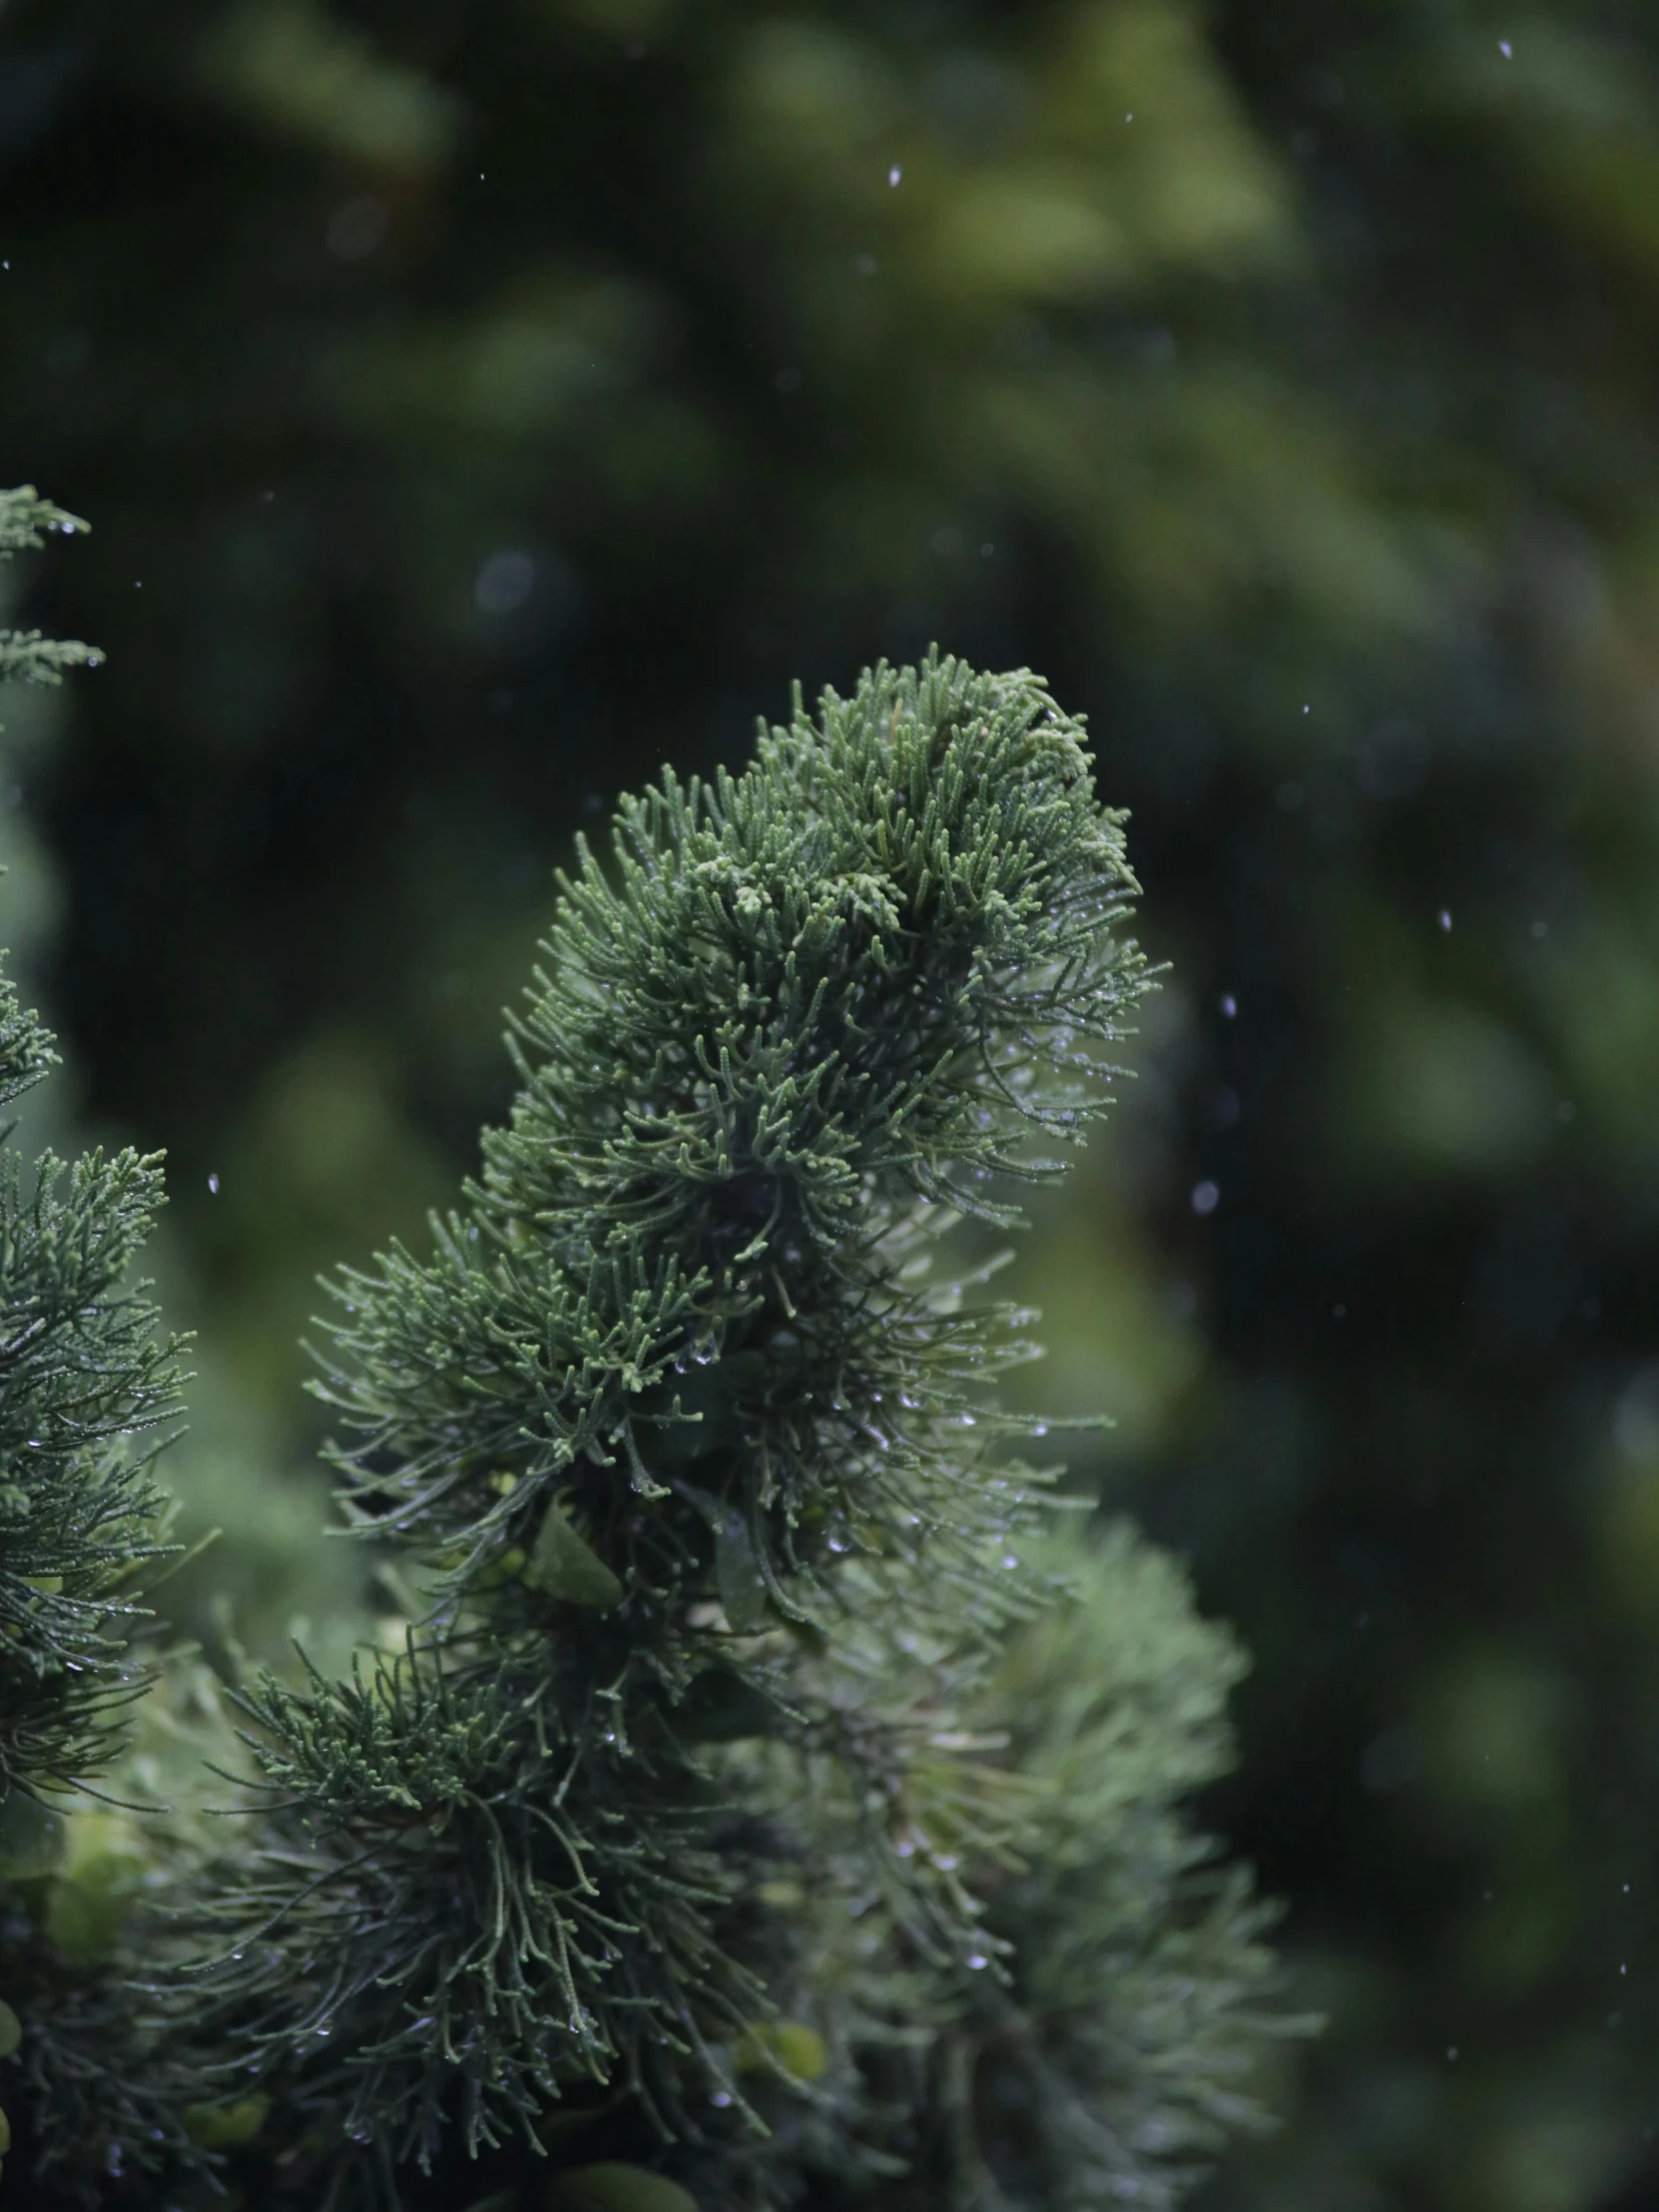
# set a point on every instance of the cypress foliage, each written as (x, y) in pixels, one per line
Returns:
(25, 656)
(765, 1804)
(86, 1389)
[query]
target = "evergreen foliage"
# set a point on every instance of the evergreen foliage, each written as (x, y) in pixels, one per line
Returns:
(752, 1809)
(25, 656)
(85, 1390)
(1112, 2063)
(765, 1806)
(1325, 382)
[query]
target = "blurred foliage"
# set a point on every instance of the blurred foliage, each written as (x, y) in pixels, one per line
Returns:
(478, 404)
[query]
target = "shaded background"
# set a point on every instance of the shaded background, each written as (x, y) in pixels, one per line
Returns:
(479, 402)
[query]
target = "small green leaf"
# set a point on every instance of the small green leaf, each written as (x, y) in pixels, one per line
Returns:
(225, 2127)
(31, 1838)
(799, 2050)
(567, 1567)
(5, 2134)
(610, 2187)
(102, 1867)
(743, 1593)
(86, 1912)
(11, 2029)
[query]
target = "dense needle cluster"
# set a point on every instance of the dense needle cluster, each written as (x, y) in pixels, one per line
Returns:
(720, 1813)
(770, 1798)
(85, 1390)
(25, 656)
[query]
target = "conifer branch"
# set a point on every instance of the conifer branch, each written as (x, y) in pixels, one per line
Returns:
(767, 1807)
(26, 521)
(86, 1393)
(692, 1830)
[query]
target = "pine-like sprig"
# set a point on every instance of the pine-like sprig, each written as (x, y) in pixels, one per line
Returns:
(1118, 2055)
(685, 1830)
(26, 520)
(87, 1391)
(80, 1377)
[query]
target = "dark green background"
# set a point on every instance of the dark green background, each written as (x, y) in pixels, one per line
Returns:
(479, 402)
